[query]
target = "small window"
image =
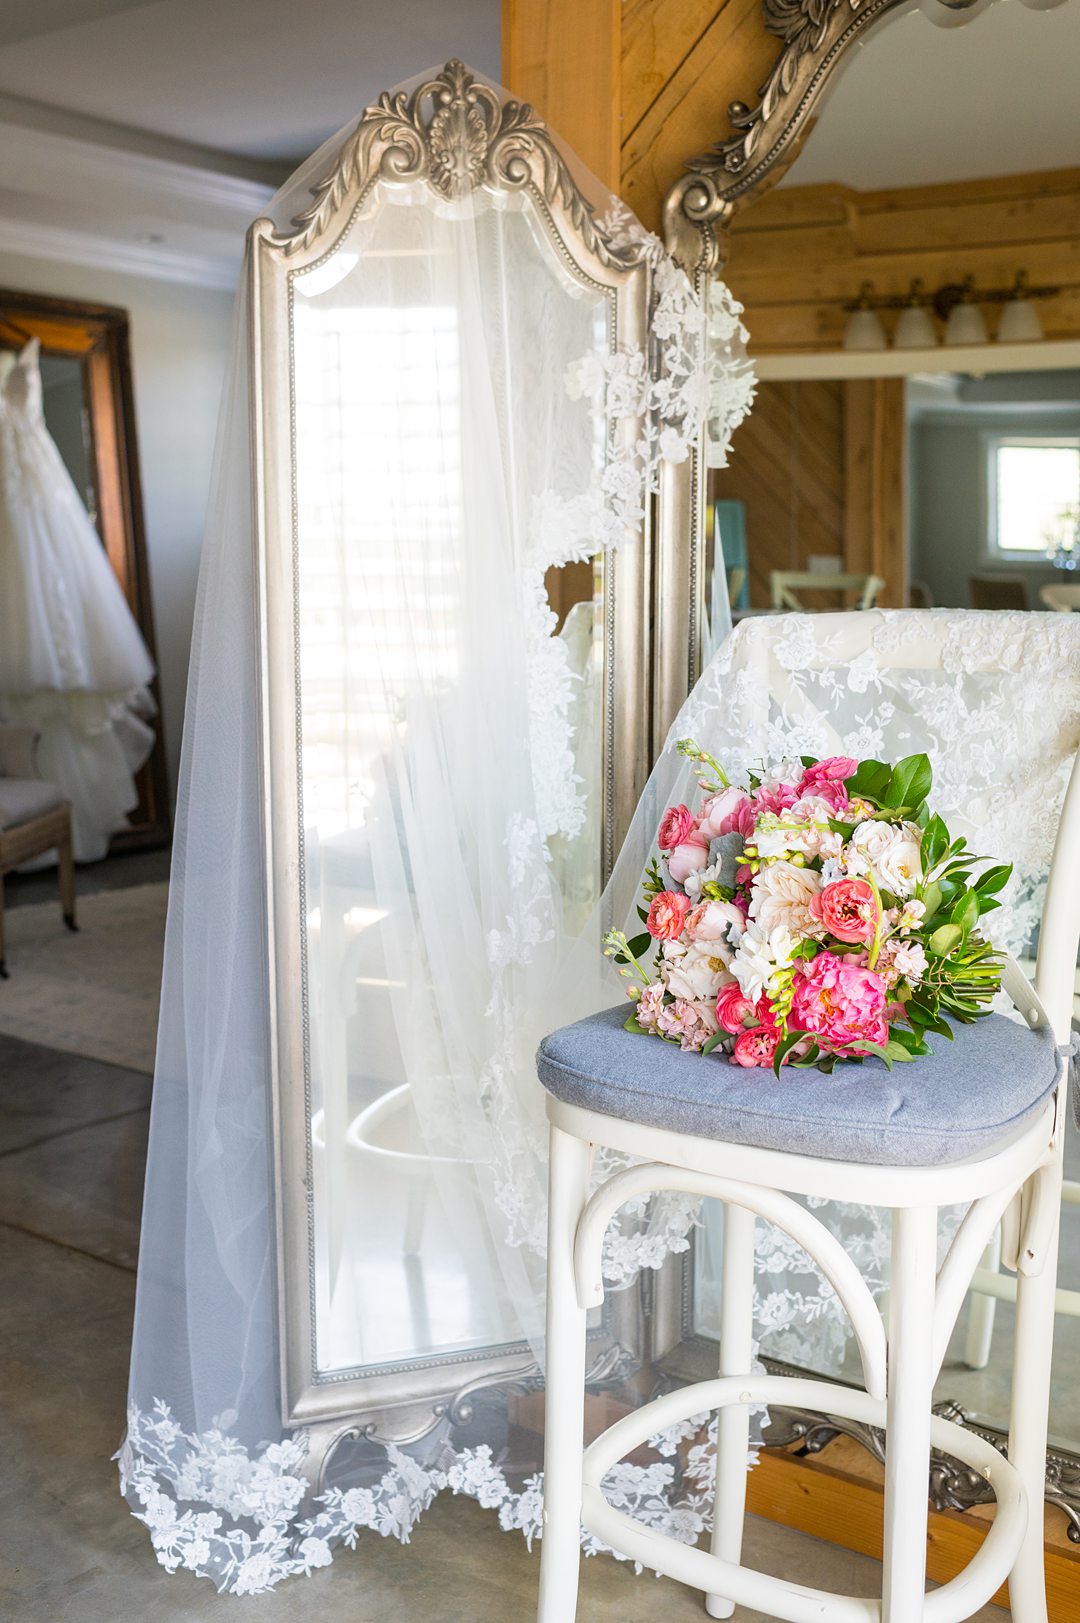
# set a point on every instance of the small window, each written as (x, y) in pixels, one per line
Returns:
(1034, 483)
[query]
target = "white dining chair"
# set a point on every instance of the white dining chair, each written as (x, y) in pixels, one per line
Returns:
(980, 1123)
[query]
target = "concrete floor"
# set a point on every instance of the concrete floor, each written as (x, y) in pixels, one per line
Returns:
(72, 1143)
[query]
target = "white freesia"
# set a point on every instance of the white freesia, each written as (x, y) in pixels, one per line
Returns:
(803, 828)
(781, 897)
(759, 956)
(694, 883)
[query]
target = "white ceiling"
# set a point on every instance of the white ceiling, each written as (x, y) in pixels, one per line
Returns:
(145, 135)
(919, 104)
(265, 79)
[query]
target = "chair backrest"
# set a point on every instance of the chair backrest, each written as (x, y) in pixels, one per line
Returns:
(1063, 599)
(18, 752)
(785, 584)
(993, 699)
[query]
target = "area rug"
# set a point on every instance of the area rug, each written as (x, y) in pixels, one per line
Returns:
(94, 992)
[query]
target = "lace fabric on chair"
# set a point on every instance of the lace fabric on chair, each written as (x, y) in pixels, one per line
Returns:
(479, 789)
(994, 699)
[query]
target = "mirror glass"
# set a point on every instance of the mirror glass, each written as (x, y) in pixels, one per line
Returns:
(67, 417)
(388, 344)
(931, 482)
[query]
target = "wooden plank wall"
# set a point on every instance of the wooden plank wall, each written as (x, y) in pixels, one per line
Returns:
(799, 252)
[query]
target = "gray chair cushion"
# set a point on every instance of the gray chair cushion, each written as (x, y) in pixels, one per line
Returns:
(926, 1112)
(22, 799)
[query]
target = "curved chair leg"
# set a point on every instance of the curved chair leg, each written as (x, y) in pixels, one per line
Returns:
(981, 1313)
(910, 1395)
(733, 1424)
(1035, 1295)
(560, 1547)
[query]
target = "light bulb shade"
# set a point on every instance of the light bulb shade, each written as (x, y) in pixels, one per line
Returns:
(966, 325)
(864, 331)
(915, 329)
(1020, 323)
(954, 13)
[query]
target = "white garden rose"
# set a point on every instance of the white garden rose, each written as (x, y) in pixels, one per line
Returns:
(781, 896)
(695, 972)
(889, 852)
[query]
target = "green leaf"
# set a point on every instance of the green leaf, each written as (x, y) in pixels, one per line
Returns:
(882, 1053)
(910, 782)
(643, 914)
(785, 1046)
(640, 944)
(871, 780)
(931, 898)
(714, 1041)
(994, 879)
(944, 939)
(631, 1024)
(935, 842)
(966, 912)
(987, 904)
(811, 1057)
(897, 1051)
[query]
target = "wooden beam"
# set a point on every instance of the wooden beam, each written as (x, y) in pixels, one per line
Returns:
(564, 56)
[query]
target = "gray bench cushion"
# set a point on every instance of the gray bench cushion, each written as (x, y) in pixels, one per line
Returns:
(22, 799)
(923, 1113)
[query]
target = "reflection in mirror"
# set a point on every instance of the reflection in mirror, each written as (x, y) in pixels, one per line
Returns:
(392, 560)
(938, 477)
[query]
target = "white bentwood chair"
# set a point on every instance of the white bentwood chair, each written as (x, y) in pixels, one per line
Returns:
(610, 1090)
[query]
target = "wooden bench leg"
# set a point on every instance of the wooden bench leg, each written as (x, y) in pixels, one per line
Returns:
(67, 879)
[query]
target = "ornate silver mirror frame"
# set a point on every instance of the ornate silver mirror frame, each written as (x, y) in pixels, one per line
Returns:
(453, 135)
(816, 39)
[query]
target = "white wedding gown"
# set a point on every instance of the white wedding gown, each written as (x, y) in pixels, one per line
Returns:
(72, 661)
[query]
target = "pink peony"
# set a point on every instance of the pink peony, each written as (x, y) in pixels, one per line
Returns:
(728, 812)
(714, 921)
(774, 797)
(834, 769)
(732, 1007)
(688, 857)
(756, 1047)
(840, 1002)
(667, 915)
(678, 824)
(847, 908)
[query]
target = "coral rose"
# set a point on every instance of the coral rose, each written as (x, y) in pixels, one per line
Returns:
(847, 908)
(667, 915)
(677, 825)
(840, 1002)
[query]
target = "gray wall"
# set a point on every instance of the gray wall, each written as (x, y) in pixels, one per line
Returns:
(948, 499)
(179, 341)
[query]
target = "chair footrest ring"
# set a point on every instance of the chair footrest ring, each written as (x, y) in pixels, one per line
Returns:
(963, 1595)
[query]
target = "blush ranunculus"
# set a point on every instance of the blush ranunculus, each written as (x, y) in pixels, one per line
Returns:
(688, 857)
(847, 908)
(842, 1003)
(830, 790)
(667, 915)
(756, 1046)
(676, 825)
(728, 812)
(774, 797)
(715, 921)
(732, 1007)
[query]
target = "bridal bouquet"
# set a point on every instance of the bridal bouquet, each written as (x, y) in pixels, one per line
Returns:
(819, 911)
